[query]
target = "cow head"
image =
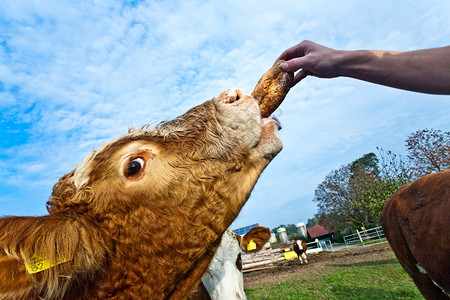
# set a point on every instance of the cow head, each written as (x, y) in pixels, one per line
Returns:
(214, 152)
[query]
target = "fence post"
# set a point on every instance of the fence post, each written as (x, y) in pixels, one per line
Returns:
(357, 231)
(378, 233)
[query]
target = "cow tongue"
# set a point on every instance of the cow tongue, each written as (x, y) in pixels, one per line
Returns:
(272, 120)
(277, 122)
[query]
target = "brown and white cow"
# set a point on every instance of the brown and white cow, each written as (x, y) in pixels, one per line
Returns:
(142, 217)
(416, 221)
(299, 247)
(224, 278)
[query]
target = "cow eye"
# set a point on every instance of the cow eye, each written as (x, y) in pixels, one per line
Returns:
(134, 167)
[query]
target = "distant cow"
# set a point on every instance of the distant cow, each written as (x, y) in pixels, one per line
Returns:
(224, 278)
(416, 221)
(300, 248)
(142, 217)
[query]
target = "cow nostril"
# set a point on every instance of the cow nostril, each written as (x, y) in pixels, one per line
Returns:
(233, 95)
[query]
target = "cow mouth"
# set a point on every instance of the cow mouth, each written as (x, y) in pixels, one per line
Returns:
(268, 143)
(238, 96)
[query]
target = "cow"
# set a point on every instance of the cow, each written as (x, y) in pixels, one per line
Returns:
(416, 223)
(299, 247)
(142, 216)
(224, 278)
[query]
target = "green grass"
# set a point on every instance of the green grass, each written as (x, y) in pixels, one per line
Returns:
(379, 279)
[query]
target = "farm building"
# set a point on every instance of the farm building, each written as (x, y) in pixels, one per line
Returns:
(320, 233)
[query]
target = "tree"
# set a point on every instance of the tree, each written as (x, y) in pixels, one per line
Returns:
(356, 193)
(291, 231)
(312, 222)
(394, 167)
(428, 151)
(369, 162)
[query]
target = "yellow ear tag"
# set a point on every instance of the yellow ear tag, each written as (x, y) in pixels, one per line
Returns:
(37, 263)
(251, 245)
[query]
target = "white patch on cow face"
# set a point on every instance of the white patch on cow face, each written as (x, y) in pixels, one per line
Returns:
(224, 281)
(299, 243)
(82, 171)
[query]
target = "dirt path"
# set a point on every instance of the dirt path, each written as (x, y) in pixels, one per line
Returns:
(317, 263)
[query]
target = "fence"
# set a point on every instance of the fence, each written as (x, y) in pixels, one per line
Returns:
(318, 246)
(269, 258)
(365, 237)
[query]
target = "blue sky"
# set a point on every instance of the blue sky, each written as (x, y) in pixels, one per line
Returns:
(74, 74)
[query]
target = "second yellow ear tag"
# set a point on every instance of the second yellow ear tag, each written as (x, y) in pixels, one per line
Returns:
(251, 245)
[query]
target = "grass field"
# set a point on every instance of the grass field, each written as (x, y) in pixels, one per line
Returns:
(380, 276)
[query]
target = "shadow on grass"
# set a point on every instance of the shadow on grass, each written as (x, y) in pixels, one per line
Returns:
(391, 261)
(334, 292)
(351, 292)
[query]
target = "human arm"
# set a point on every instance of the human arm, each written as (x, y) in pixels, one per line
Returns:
(426, 71)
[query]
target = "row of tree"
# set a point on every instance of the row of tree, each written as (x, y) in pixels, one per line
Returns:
(291, 231)
(353, 196)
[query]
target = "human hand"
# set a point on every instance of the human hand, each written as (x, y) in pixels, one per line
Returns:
(425, 71)
(311, 59)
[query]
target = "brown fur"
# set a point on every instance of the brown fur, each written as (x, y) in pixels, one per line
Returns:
(151, 236)
(416, 221)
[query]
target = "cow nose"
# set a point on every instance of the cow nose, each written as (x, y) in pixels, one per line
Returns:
(235, 94)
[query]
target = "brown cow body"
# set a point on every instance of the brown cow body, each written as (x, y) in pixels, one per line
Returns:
(416, 222)
(299, 247)
(142, 216)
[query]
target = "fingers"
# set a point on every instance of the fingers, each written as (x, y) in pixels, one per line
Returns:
(296, 59)
(298, 50)
(289, 53)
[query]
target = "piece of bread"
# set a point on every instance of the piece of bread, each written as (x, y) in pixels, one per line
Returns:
(272, 88)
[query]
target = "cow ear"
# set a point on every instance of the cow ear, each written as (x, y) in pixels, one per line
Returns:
(13, 276)
(44, 252)
(255, 239)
